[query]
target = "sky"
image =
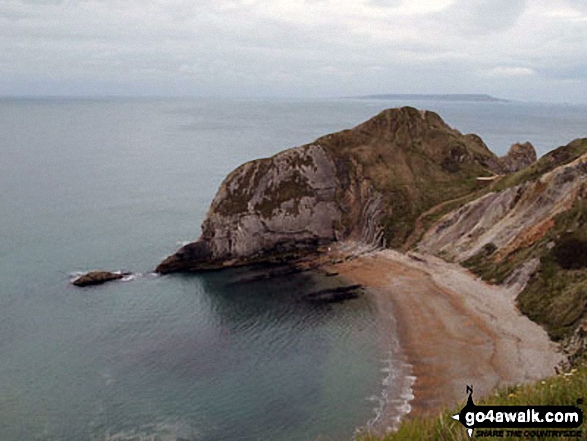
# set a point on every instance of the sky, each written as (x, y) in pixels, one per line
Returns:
(515, 49)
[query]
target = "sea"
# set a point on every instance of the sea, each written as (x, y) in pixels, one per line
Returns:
(119, 184)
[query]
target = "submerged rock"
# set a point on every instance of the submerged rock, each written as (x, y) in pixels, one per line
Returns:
(97, 278)
(335, 295)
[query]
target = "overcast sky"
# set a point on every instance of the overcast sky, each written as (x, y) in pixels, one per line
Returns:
(520, 49)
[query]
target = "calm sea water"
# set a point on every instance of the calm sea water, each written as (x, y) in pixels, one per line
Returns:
(119, 184)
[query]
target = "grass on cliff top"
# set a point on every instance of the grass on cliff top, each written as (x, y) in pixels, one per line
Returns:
(562, 389)
(560, 156)
(414, 161)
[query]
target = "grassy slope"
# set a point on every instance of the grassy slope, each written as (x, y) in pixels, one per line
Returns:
(415, 161)
(563, 389)
(555, 158)
(557, 296)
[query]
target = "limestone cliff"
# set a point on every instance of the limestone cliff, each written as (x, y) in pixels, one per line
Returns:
(369, 183)
(276, 206)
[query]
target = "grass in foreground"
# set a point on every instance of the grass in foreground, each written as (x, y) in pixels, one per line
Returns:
(563, 389)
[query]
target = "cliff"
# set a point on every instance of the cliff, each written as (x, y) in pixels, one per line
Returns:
(530, 230)
(369, 183)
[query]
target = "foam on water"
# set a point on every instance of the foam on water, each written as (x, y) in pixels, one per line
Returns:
(165, 431)
(396, 393)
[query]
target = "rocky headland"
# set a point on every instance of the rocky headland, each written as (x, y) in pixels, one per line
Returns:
(405, 180)
(367, 184)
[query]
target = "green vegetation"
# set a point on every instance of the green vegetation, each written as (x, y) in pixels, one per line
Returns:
(244, 180)
(557, 296)
(563, 389)
(492, 271)
(428, 218)
(291, 189)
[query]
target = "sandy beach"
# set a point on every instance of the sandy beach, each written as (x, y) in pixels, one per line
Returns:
(454, 329)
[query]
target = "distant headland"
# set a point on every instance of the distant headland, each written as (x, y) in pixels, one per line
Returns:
(433, 97)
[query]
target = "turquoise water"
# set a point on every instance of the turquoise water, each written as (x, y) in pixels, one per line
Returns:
(119, 184)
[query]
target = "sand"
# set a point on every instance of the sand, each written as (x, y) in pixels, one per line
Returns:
(454, 329)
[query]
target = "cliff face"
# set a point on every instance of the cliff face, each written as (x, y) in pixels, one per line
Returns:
(270, 207)
(508, 219)
(385, 180)
(369, 183)
(519, 211)
(531, 230)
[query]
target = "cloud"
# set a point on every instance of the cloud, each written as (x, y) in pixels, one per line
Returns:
(577, 72)
(484, 16)
(291, 47)
(386, 3)
(578, 5)
(505, 71)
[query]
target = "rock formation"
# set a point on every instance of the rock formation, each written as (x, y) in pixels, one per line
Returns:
(97, 278)
(369, 183)
(406, 179)
(518, 157)
(511, 218)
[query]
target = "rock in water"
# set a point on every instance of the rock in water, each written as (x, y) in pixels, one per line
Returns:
(97, 278)
(367, 184)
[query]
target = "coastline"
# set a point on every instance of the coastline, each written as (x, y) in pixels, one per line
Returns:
(453, 330)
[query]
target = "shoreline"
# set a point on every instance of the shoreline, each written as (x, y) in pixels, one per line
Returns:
(453, 330)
